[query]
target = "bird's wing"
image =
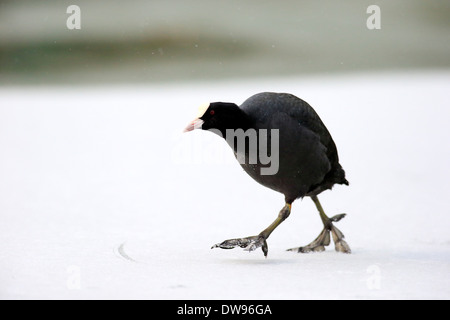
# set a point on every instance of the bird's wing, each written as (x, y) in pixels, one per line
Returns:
(307, 117)
(301, 146)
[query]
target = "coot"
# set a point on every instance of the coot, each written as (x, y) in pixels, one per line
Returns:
(281, 142)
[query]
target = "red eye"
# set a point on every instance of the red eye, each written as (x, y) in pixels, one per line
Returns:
(211, 112)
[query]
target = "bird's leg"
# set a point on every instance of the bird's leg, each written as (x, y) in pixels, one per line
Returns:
(323, 239)
(259, 241)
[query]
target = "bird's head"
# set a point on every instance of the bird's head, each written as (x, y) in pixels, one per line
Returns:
(219, 116)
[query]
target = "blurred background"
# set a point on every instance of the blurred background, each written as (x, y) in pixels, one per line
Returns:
(160, 41)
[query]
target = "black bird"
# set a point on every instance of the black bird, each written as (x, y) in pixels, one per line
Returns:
(285, 130)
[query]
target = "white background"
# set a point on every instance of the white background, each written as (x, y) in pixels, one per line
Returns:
(102, 196)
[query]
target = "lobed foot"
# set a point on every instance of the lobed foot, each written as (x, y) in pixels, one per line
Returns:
(317, 245)
(340, 244)
(323, 240)
(249, 244)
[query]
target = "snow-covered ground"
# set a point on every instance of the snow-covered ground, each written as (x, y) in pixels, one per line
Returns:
(102, 196)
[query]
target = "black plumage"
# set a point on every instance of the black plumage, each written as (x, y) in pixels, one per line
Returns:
(308, 161)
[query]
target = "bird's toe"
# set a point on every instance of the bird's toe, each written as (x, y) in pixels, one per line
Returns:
(340, 244)
(248, 244)
(317, 245)
(338, 217)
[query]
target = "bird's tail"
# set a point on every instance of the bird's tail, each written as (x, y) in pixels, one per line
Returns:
(339, 176)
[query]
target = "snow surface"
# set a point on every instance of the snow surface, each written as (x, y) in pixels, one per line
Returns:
(102, 196)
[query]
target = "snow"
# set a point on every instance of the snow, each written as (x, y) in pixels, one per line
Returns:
(103, 197)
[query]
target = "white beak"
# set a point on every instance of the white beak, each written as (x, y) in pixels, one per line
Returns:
(195, 124)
